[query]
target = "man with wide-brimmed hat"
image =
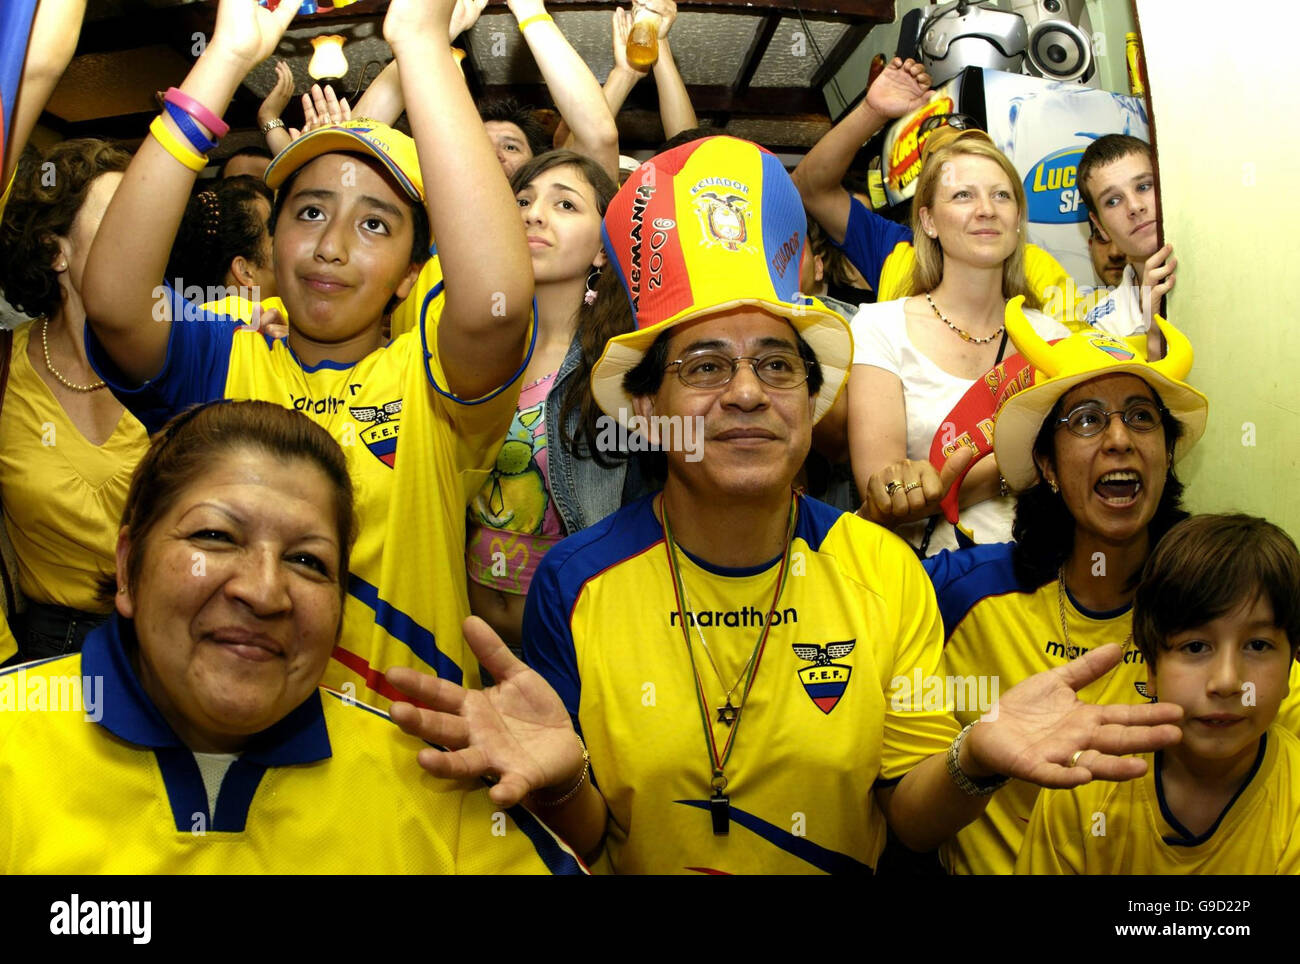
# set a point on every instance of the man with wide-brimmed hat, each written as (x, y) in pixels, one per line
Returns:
(754, 673)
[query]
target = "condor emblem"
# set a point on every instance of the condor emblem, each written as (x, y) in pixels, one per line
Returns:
(825, 681)
(381, 435)
(723, 218)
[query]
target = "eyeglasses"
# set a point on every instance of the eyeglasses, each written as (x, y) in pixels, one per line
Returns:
(958, 122)
(1088, 421)
(711, 369)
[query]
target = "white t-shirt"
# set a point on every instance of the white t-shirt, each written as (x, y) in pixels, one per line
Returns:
(1120, 313)
(929, 394)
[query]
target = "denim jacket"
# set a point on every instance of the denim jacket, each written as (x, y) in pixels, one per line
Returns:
(584, 492)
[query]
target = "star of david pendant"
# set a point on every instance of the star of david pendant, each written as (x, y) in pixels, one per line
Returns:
(727, 714)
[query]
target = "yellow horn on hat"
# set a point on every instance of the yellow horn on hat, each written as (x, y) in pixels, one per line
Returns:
(1027, 341)
(1178, 352)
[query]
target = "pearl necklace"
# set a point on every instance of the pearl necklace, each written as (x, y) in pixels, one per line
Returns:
(45, 344)
(965, 335)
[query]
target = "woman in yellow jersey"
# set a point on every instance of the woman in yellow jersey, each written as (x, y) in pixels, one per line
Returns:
(914, 358)
(189, 735)
(553, 475)
(1090, 446)
(67, 446)
(418, 416)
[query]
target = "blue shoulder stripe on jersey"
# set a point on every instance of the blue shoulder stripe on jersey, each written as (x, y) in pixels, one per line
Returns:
(964, 577)
(405, 629)
(584, 555)
(830, 861)
(427, 355)
(816, 520)
(558, 860)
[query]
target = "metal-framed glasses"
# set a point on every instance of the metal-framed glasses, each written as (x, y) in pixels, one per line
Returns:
(711, 369)
(1087, 421)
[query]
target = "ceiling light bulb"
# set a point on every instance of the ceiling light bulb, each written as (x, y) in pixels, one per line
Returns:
(328, 60)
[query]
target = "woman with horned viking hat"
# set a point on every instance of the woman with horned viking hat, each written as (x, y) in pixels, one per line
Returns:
(1090, 447)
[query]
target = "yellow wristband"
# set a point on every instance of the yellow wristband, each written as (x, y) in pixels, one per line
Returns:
(173, 146)
(535, 18)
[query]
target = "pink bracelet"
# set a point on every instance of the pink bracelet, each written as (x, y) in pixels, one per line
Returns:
(196, 110)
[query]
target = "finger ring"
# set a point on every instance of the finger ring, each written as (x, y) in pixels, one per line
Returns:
(910, 486)
(892, 486)
(1074, 759)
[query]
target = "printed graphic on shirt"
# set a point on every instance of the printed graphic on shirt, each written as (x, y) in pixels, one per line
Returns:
(824, 681)
(381, 436)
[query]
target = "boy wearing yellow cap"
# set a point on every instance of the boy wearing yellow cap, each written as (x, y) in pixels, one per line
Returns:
(1217, 618)
(740, 659)
(420, 418)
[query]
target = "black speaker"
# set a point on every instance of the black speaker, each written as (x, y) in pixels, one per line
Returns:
(1059, 47)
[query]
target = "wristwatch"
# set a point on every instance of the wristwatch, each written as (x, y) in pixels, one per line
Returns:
(971, 786)
(271, 125)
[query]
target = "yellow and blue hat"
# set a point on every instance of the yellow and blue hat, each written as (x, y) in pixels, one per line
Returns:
(1081, 357)
(391, 148)
(709, 226)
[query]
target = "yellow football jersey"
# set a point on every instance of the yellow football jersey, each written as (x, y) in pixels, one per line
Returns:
(98, 783)
(998, 627)
(820, 728)
(406, 598)
(425, 300)
(1128, 828)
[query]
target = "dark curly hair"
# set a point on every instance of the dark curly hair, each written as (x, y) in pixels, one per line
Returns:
(1044, 528)
(47, 195)
(509, 111)
(220, 224)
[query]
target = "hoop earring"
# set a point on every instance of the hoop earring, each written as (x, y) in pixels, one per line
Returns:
(592, 277)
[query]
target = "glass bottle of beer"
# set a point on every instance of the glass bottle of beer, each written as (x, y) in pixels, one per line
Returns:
(643, 40)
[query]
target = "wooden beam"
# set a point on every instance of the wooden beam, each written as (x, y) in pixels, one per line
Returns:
(847, 44)
(756, 52)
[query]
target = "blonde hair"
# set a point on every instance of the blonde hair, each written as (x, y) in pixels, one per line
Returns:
(927, 272)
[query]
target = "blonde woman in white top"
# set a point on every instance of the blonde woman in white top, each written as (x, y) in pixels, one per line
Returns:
(915, 357)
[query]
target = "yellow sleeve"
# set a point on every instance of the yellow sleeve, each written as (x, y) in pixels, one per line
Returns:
(914, 728)
(896, 273)
(1288, 714)
(406, 316)
(8, 645)
(496, 840)
(1045, 849)
(9, 189)
(1062, 299)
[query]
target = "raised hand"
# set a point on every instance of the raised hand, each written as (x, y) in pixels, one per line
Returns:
(901, 88)
(667, 11)
(465, 15)
(918, 491)
(517, 730)
(248, 32)
(1035, 729)
(1158, 277)
(622, 26)
(410, 19)
(320, 108)
(281, 93)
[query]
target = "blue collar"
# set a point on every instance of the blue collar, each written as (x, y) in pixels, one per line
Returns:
(129, 713)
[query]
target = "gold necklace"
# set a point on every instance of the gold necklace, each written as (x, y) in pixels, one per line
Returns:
(965, 335)
(45, 344)
(728, 712)
(1070, 651)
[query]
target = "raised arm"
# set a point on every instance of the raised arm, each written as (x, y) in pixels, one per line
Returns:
(129, 257)
(472, 212)
(901, 88)
(272, 107)
(53, 41)
(675, 110)
(577, 95)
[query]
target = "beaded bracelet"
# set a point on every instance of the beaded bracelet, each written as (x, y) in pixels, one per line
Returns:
(196, 110)
(173, 146)
(191, 130)
(535, 18)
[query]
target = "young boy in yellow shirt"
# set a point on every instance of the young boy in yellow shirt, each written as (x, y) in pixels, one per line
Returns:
(1217, 618)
